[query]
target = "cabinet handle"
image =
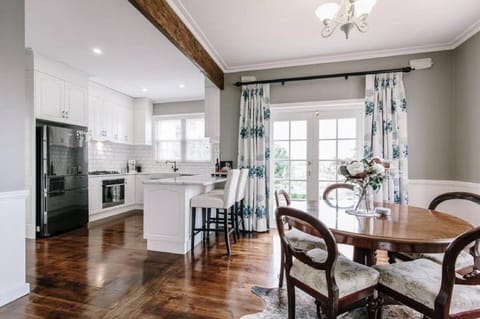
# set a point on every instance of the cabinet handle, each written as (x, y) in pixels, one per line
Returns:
(126, 138)
(63, 114)
(66, 112)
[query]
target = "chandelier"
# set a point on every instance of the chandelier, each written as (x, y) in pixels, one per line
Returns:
(345, 14)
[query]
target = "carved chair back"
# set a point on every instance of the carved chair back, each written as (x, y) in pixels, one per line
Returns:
(449, 276)
(306, 223)
(334, 188)
(285, 196)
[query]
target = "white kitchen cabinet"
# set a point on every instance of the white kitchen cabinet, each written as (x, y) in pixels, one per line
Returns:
(212, 112)
(113, 115)
(59, 100)
(139, 179)
(94, 195)
(76, 104)
(130, 189)
(143, 109)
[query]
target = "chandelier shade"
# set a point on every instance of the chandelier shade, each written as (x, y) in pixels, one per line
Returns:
(344, 14)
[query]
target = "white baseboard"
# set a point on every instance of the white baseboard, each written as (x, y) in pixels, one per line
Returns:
(113, 212)
(10, 294)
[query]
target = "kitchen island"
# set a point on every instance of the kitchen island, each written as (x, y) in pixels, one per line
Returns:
(167, 214)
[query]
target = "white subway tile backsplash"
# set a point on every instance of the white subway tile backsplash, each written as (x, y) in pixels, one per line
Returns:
(112, 156)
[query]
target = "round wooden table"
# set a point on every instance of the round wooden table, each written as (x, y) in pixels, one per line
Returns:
(407, 229)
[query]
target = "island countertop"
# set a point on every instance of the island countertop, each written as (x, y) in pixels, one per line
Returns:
(204, 180)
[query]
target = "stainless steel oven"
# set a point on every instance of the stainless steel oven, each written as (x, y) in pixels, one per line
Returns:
(113, 192)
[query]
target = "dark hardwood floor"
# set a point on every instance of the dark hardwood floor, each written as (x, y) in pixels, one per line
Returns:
(106, 272)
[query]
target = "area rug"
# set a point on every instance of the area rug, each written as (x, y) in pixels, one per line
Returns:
(276, 307)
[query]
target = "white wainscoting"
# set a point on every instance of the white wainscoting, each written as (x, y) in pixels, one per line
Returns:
(421, 192)
(12, 246)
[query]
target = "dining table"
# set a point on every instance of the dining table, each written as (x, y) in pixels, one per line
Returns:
(407, 229)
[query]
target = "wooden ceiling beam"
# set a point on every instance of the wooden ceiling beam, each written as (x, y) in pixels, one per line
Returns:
(164, 18)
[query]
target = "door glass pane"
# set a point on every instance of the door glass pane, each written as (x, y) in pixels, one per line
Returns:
(347, 149)
(347, 128)
(279, 184)
(327, 170)
(280, 150)
(298, 150)
(327, 129)
(281, 130)
(298, 130)
(298, 170)
(298, 190)
(281, 169)
(327, 150)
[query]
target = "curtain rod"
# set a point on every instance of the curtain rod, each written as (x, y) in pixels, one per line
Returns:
(326, 76)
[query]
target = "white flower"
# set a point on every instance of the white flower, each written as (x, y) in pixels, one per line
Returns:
(355, 168)
(378, 169)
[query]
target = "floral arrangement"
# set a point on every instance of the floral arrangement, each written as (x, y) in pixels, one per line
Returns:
(365, 172)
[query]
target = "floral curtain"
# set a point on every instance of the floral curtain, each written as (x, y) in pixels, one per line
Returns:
(254, 152)
(386, 132)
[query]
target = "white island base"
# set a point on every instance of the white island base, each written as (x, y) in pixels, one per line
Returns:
(167, 213)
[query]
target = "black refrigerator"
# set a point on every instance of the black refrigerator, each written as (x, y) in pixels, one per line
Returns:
(61, 178)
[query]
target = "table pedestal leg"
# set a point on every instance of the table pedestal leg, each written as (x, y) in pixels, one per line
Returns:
(364, 256)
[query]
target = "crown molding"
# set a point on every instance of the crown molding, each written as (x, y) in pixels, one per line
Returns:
(190, 22)
(192, 25)
(465, 35)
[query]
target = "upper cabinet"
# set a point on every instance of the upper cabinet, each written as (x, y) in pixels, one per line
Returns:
(111, 115)
(143, 113)
(212, 112)
(60, 92)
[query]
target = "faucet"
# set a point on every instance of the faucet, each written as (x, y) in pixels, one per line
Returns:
(174, 167)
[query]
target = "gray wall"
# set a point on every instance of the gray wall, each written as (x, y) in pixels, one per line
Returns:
(12, 95)
(429, 94)
(466, 111)
(178, 107)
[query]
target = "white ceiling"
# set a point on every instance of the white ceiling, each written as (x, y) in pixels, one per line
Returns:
(136, 55)
(256, 34)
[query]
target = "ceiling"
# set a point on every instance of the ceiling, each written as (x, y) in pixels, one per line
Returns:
(258, 34)
(135, 54)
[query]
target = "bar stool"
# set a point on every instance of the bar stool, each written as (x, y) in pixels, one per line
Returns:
(224, 204)
(239, 199)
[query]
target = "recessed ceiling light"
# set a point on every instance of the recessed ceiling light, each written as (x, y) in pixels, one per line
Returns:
(97, 51)
(181, 86)
(144, 90)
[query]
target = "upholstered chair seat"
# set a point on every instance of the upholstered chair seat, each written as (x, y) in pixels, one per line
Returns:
(215, 200)
(350, 276)
(464, 259)
(421, 279)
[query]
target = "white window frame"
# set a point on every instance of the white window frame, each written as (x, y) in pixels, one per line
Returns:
(183, 117)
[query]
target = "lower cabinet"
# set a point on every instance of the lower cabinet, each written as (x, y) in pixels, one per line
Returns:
(94, 195)
(130, 189)
(139, 188)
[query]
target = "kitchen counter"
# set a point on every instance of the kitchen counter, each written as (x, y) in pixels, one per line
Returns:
(203, 180)
(167, 212)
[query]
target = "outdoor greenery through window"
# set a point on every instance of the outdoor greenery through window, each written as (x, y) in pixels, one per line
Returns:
(181, 138)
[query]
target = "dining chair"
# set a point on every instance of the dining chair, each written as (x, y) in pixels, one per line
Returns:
(327, 193)
(337, 283)
(435, 290)
(296, 237)
(464, 258)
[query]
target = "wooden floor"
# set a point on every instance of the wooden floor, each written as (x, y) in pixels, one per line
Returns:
(106, 272)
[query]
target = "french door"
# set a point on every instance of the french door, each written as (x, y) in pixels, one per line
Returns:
(308, 146)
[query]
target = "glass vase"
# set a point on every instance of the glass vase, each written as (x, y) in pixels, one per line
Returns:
(365, 200)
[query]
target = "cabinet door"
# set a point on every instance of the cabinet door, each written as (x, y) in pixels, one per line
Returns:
(109, 120)
(130, 189)
(121, 128)
(49, 97)
(139, 188)
(95, 195)
(129, 118)
(76, 107)
(95, 106)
